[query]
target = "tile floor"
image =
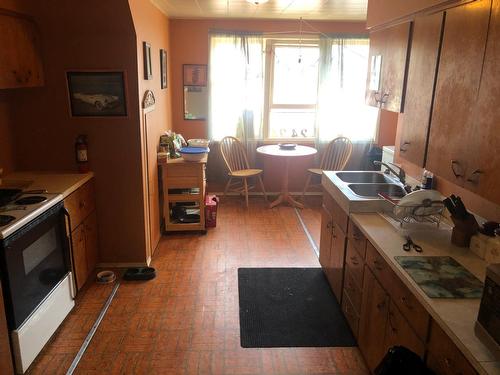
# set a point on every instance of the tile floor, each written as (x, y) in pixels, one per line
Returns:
(186, 321)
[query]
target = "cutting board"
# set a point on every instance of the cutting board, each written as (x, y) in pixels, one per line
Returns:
(441, 276)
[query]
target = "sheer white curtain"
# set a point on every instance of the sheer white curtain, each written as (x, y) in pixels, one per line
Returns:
(236, 85)
(341, 101)
(341, 108)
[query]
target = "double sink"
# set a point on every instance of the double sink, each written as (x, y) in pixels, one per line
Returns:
(369, 184)
(358, 191)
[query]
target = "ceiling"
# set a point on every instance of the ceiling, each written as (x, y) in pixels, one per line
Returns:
(349, 10)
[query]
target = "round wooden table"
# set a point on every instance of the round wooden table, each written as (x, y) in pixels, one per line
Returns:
(276, 151)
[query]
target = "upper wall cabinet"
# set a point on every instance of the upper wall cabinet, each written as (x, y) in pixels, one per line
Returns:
(387, 69)
(483, 174)
(420, 87)
(455, 135)
(382, 12)
(20, 61)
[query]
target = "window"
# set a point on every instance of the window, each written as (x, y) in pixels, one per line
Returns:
(278, 88)
(292, 86)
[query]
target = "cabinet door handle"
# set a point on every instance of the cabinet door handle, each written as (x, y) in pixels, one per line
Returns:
(454, 165)
(377, 265)
(380, 305)
(474, 177)
(354, 260)
(402, 148)
(329, 225)
(447, 362)
(406, 303)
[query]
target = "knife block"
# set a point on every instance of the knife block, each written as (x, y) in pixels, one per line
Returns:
(463, 230)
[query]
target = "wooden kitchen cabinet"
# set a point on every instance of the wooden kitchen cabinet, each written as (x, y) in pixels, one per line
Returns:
(332, 243)
(373, 320)
(382, 12)
(453, 125)
(399, 332)
(21, 64)
(6, 365)
(391, 44)
(81, 208)
(325, 240)
(484, 143)
(443, 357)
(420, 87)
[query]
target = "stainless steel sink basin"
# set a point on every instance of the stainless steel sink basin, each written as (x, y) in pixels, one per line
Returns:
(371, 190)
(364, 177)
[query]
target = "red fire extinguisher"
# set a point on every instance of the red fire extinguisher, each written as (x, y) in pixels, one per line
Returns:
(81, 148)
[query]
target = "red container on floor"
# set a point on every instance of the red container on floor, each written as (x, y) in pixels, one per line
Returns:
(211, 202)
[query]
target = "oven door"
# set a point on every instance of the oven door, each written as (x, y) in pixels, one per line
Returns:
(34, 260)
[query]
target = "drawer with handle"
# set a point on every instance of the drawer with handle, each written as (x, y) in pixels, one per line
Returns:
(357, 238)
(80, 203)
(355, 263)
(378, 266)
(351, 288)
(350, 314)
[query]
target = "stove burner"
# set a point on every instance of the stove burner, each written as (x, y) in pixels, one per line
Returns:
(30, 200)
(5, 219)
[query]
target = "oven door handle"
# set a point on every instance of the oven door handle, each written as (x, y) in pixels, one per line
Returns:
(69, 238)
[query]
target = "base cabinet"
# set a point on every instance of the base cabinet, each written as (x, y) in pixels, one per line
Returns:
(81, 207)
(333, 243)
(443, 356)
(373, 321)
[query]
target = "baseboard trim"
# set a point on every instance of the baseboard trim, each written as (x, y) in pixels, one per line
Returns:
(259, 193)
(121, 265)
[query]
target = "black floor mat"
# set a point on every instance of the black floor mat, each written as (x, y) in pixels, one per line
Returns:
(289, 307)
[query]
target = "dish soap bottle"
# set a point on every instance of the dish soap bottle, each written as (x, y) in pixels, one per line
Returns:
(427, 179)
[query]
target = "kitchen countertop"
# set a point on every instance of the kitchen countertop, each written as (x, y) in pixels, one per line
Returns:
(457, 317)
(59, 183)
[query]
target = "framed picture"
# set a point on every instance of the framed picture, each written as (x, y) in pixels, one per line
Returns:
(195, 75)
(148, 67)
(163, 68)
(97, 94)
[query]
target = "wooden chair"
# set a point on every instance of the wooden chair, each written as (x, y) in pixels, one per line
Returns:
(335, 158)
(235, 157)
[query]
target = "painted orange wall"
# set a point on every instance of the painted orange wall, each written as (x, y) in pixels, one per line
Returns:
(189, 45)
(90, 35)
(152, 26)
(474, 202)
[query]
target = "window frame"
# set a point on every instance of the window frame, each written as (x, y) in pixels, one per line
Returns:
(270, 44)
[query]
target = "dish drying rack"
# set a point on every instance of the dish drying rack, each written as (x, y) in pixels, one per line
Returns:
(429, 211)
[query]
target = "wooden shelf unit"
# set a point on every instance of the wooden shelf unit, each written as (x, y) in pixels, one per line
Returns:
(188, 178)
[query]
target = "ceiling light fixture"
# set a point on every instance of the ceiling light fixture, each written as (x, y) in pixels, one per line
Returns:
(257, 2)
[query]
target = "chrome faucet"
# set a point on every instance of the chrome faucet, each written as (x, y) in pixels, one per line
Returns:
(401, 175)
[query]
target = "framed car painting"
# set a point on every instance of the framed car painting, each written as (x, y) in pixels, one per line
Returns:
(97, 94)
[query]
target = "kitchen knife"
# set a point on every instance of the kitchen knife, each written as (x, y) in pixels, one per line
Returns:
(450, 206)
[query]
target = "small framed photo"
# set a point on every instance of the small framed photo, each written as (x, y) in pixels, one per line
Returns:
(148, 67)
(163, 68)
(195, 75)
(97, 94)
